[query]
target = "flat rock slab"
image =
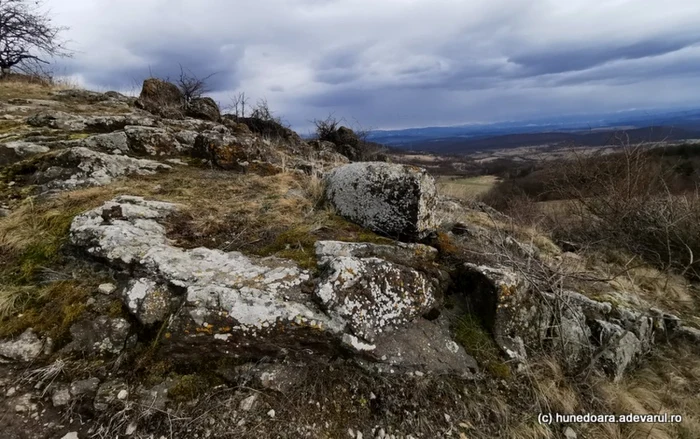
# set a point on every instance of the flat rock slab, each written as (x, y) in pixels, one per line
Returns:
(81, 167)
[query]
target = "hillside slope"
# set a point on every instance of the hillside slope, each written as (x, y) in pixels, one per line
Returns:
(169, 276)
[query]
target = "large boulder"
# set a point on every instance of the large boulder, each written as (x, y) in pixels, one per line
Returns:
(161, 98)
(204, 108)
(391, 199)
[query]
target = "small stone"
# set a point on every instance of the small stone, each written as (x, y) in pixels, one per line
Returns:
(71, 435)
(122, 395)
(61, 397)
(271, 413)
(351, 432)
(447, 418)
(247, 404)
(381, 434)
(569, 433)
(11, 392)
(83, 387)
(358, 435)
(107, 288)
(130, 429)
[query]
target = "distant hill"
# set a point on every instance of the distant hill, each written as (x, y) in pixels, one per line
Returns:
(456, 145)
(585, 131)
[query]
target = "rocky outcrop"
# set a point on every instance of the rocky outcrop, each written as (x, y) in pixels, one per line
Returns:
(225, 299)
(234, 153)
(204, 108)
(80, 167)
(90, 124)
(371, 295)
(581, 332)
(12, 152)
(113, 143)
(220, 303)
(161, 98)
(394, 200)
(151, 141)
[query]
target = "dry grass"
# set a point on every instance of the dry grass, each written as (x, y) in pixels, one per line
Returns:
(20, 89)
(465, 188)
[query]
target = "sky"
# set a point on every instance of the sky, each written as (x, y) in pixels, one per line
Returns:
(390, 64)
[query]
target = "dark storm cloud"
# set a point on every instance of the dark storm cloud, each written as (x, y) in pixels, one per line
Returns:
(394, 63)
(573, 59)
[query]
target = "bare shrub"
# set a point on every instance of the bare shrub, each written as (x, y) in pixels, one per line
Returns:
(191, 86)
(627, 201)
(352, 143)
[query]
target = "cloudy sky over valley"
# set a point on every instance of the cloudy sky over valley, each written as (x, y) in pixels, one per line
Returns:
(399, 63)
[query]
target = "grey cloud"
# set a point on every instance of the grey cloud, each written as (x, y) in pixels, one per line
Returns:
(573, 59)
(399, 64)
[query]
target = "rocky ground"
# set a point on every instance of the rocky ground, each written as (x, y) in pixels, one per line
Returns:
(171, 272)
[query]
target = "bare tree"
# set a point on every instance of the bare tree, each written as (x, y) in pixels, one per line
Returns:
(238, 103)
(262, 111)
(191, 86)
(27, 35)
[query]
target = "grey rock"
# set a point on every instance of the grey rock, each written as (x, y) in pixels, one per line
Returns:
(569, 433)
(204, 108)
(620, 348)
(422, 346)
(4, 212)
(25, 149)
(247, 404)
(244, 294)
(156, 397)
(371, 295)
(147, 301)
(395, 200)
(504, 302)
(25, 348)
(84, 387)
(58, 120)
(99, 336)
(108, 393)
(80, 167)
(151, 141)
(61, 397)
(279, 377)
(412, 255)
(571, 337)
(161, 98)
(112, 142)
(691, 334)
(186, 137)
(107, 289)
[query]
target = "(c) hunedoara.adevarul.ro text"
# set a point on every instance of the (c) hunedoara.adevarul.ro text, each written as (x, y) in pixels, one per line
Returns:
(629, 418)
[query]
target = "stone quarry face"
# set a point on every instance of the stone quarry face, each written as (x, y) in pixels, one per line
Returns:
(394, 200)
